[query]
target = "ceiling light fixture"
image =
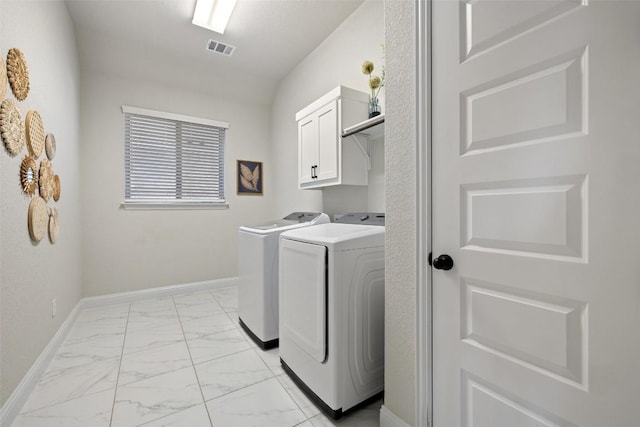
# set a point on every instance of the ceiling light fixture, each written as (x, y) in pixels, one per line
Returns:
(213, 14)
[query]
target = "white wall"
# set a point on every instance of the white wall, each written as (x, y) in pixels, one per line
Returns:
(400, 274)
(130, 250)
(31, 275)
(337, 61)
(125, 250)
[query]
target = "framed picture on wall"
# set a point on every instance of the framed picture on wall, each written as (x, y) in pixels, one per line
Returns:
(250, 176)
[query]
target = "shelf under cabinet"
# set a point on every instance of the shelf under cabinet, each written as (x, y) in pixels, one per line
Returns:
(374, 127)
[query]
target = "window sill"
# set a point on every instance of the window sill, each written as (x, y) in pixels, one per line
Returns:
(172, 206)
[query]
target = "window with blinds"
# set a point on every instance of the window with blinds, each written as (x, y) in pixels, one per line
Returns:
(173, 160)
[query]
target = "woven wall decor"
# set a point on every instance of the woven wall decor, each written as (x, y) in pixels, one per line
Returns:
(29, 175)
(38, 218)
(50, 146)
(56, 188)
(35, 133)
(3, 80)
(45, 180)
(11, 127)
(54, 224)
(18, 73)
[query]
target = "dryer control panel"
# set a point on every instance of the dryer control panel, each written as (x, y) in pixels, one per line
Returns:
(302, 216)
(364, 218)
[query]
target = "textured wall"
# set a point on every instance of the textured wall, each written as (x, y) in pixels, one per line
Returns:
(400, 277)
(31, 275)
(127, 250)
(337, 61)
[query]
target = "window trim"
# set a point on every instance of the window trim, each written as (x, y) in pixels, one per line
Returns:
(165, 204)
(141, 206)
(173, 116)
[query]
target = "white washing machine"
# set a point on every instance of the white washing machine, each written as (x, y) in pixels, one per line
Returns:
(332, 310)
(258, 274)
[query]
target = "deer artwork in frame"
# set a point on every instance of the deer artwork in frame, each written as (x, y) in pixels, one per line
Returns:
(250, 177)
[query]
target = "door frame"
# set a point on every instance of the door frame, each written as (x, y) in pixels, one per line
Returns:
(424, 319)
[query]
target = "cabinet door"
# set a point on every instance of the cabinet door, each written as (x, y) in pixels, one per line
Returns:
(329, 143)
(307, 148)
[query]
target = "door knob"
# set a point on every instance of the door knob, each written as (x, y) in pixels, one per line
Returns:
(443, 262)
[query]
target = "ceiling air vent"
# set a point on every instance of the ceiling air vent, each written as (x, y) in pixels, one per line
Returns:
(221, 48)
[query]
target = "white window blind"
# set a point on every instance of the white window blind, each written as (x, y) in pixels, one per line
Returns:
(173, 160)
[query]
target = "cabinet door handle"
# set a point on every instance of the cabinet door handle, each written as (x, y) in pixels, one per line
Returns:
(313, 172)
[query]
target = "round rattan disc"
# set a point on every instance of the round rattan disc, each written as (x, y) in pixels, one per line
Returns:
(38, 219)
(50, 146)
(45, 180)
(56, 188)
(18, 73)
(29, 175)
(35, 133)
(11, 127)
(54, 225)
(3, 80)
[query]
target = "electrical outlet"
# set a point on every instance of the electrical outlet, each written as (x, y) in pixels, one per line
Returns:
(53, 308)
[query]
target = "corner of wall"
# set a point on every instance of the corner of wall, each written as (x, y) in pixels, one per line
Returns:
(401, 190)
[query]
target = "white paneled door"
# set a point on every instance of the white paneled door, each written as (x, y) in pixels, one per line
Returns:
(536, 177)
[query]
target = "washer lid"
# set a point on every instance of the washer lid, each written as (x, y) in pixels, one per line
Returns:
(339, 237)
(291, 221)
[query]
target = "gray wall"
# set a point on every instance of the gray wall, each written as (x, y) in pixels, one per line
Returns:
(125, 250)
(400, 274)
(337, 61)
(31, 275)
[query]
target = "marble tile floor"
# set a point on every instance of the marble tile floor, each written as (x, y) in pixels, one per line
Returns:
(174, 361)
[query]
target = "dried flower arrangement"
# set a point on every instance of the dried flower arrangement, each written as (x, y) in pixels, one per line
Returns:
(376, 83)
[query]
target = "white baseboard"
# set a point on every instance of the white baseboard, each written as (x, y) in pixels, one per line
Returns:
(133, 296)
(14, 403)
(389, 419)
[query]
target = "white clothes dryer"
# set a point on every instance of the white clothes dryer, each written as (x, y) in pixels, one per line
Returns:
(258, 274)
(332, 310)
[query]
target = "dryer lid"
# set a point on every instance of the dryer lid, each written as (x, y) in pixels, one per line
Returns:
(339, 237)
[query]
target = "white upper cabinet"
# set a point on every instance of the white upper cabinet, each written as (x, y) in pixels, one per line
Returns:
(324, 158)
